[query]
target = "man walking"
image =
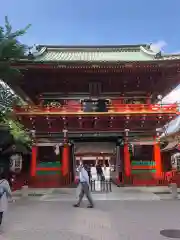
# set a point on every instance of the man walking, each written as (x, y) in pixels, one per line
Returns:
(85, 188)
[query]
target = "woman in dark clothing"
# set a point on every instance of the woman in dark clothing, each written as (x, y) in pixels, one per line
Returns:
(99, 171)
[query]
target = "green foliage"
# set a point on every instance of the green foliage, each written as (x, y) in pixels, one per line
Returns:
(7, 99)
(10, 50)
(17, 130)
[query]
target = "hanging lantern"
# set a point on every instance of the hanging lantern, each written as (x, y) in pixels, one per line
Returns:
(175, 161)
(16, 163)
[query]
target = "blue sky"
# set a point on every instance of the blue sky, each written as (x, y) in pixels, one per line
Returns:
(96, 21)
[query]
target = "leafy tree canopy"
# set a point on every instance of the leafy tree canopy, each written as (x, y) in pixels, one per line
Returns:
(7, 99)
(11, 49)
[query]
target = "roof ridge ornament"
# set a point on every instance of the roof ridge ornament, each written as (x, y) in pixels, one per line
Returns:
(30, 54)
(151, 49)
(37, 50)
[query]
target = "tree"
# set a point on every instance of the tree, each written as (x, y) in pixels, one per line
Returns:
(7, 100)
(11, 50)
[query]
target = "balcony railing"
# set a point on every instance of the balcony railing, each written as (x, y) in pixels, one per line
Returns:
(110, 109)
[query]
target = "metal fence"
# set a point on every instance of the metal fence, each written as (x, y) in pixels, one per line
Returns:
(101, 186)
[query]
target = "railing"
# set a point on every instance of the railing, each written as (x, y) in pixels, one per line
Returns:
(115, 108)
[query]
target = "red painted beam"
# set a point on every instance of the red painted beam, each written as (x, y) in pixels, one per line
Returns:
(115, 109)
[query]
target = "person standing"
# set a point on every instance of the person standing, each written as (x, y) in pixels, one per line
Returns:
(88, 169)
(5, 193)
(85, 188)
(99, 171)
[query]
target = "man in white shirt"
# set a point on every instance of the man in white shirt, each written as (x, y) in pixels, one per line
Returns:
(84, 181)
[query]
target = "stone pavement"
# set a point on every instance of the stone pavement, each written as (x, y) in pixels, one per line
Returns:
(70, 194)
(120, 194)
(125, 220)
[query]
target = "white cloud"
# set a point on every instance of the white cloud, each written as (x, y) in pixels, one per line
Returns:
(173, 96)
(159, 45)
(176, 53)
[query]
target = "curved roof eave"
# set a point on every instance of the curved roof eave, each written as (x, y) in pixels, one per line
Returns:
(153, 61)
(103, 54)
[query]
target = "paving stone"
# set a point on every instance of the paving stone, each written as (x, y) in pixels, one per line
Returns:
(124, 220)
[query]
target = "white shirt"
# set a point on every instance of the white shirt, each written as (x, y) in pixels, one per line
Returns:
(83, 176)
(4, 185)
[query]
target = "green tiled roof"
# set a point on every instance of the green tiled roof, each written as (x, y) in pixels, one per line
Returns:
(126, 53)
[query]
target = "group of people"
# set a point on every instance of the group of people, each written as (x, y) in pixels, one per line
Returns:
(99, 171)
(84, 181)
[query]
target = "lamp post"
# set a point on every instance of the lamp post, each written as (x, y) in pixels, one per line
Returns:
(65, 135)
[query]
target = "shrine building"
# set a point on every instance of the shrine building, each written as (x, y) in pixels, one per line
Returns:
(96, 103)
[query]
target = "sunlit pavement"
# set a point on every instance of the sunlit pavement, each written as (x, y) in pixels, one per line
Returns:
(140, 220)
(127, 193)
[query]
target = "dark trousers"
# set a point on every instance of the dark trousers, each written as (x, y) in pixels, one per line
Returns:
(99, 176)
(85, 191)
(1, 217)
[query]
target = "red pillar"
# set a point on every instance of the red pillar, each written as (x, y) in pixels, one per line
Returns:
(33, 161)
(157, 159)
(65, 160)
(127, 161)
